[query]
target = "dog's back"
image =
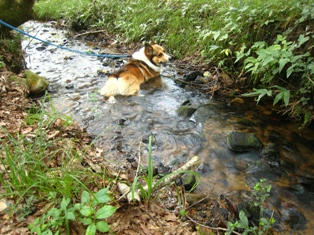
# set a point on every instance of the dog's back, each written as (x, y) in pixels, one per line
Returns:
(144, 66)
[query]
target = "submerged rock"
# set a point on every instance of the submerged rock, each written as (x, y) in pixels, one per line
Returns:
(192, 76)
(243, 142)
(186, 111)
(36, 84)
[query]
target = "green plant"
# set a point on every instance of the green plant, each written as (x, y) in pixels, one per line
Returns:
(260, 192)
(54, 219)
(146, 192)
(272, 60)
(151, 183)
(93, 210)
(1, 62)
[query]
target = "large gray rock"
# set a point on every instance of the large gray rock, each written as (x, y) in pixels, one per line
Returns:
(243, 142)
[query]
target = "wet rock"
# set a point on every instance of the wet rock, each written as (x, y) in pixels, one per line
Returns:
(192, 76)
(293, 217)
(36, 84)
(202, 80)
(186, 111)
(41, 48)
(69, 86)
(243, 142)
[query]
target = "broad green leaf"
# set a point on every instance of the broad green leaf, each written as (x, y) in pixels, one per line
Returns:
(64, 203)
(290, 70)
(70, 215)
(307, 117)
(278, 97)
(286, 97)
(302, 40)
(282, 63)
(102, 226)
(86, 211)
(243, 219)
(216, 34)
(54, 212)
(86, 221)
(105, 212)
(85, 197)
(91, 229)
(102, 196)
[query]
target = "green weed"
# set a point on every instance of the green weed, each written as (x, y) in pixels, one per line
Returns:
(91, 211)
(261, 191)
(151, 181)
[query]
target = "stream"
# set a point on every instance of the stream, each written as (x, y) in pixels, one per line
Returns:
(122, 129)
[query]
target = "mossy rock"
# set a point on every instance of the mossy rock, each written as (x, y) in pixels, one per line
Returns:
(35, 83)
(243, 142)
(15, 12)
(186, 111)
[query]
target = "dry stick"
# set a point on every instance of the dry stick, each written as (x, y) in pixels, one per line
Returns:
(192, 164)
(90, 32)
(213, 228)
(194, 204)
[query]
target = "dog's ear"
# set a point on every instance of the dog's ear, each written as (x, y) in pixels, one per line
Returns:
(149, 50)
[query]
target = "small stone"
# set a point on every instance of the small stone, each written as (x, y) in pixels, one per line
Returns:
(191, 76)
(3, 205)
(69, 86)
(201, 79)
(207, 74)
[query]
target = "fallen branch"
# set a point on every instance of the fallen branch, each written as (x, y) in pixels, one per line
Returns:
(90, 32)
(190, 165)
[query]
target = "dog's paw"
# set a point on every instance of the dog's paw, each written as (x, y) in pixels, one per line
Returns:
(111, 100)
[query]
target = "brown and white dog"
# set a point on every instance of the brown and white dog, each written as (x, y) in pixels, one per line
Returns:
(144, 66)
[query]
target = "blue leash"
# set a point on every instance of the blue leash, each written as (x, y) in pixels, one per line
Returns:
(112, 56)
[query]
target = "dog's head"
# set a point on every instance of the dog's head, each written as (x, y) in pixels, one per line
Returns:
(156, 54)
(153, 55)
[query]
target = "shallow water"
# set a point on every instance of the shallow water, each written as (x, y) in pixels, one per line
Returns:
(122, 129)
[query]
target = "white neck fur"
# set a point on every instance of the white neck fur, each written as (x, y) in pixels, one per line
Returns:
(140, 55)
